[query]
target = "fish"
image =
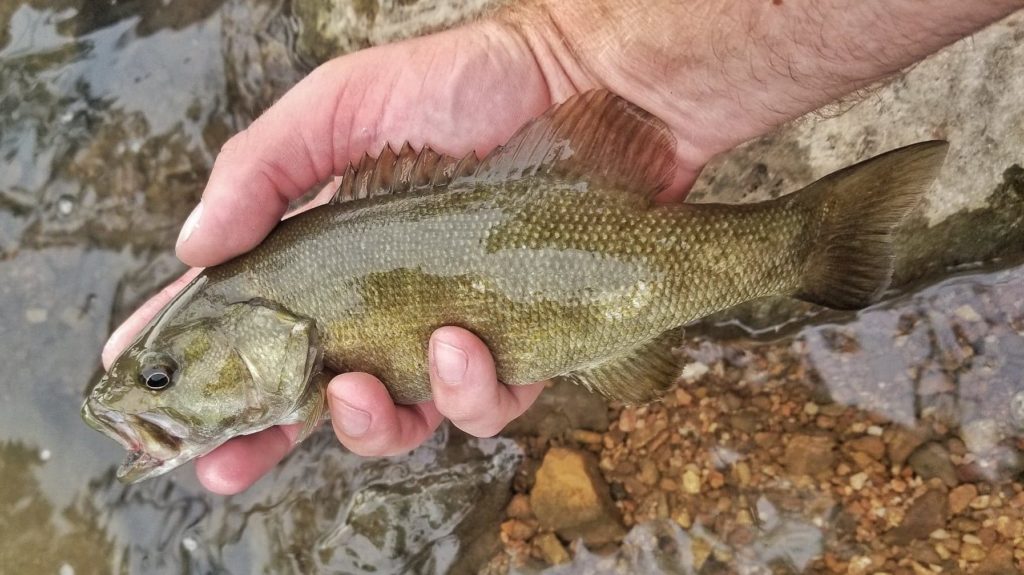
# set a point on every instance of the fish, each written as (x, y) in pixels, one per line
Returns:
(551, 249)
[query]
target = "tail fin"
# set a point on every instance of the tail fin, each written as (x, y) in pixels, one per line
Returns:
(860, 207)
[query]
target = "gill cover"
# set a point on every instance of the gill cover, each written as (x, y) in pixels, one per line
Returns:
(278, 348)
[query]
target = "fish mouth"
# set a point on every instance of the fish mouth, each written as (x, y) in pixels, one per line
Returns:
(152, 444)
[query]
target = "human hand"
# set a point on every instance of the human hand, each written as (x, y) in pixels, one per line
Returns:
(462, 90)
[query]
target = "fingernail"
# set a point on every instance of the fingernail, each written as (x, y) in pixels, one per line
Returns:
(354, 422)
(190, 224)
(450, 362)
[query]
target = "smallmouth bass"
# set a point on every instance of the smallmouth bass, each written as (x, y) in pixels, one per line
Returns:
(549, 249)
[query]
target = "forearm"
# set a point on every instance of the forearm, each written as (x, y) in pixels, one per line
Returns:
(721, 72)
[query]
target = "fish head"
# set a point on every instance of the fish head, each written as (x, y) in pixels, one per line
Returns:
(183, 388)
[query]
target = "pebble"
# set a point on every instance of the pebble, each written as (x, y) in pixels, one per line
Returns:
(65, 205)
(701, 550)
(742, 473)
(873, 446)
(981, 502)
(587, 437)
(551, 549)
(682, 517)
(519, 507)
(926, 514)
(858, 481)
(810, 454)
(648, 472)
(960, 497)
(967, 313)
(902, 443)
(518, 529)
(627, 420)
(691, 482)
(972, 552)
(981, 435)
(694, 371)
(683, 399)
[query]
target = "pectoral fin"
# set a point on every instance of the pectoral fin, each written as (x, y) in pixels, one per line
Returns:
(639, 376)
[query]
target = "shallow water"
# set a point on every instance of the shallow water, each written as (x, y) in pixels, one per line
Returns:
(109, 122)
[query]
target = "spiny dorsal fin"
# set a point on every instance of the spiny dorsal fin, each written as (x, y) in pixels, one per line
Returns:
(595, 136)
(408, 170)
(638, 376)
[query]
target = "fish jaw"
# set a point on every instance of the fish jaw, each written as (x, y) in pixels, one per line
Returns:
(154, 444)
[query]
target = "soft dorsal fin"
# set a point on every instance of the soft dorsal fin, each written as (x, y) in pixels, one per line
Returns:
(408, 170)
(595, 136)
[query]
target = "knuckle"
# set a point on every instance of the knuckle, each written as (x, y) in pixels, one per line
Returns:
(235, 144)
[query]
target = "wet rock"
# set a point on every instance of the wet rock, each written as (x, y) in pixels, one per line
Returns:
(926, 514)
(810, 454)
(932, 460)
(572, 498)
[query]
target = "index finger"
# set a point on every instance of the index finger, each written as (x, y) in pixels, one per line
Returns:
(126, 332)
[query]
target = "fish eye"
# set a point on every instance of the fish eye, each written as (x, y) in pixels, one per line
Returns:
(157, 373)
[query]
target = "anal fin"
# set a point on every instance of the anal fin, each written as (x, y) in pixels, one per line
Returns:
(639, 376)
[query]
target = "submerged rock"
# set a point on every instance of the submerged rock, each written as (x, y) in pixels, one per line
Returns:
(571, 498)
